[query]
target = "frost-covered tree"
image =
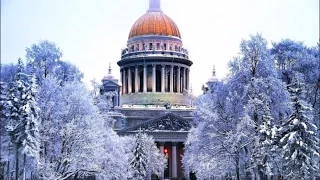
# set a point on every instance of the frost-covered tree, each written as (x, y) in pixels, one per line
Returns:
(297, 138)
(8, 72)
(115, 157)
(139, 163)
(295, 59)
(230, 118)
(68, 110)
(27, 132)
(146, 157)
(156, 160)
(213, 147)
(43, 59)
(255, 79)
(23, 117)
(14, 106)
(77, 140)
(3, 134)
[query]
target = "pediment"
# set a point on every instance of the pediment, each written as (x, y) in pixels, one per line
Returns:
(168, 122)
(109, 83)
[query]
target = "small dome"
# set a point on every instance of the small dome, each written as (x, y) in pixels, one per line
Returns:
(213, 78)
(109, 76)
(154, 23)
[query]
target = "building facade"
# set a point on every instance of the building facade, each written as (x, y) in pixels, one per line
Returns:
(154, 91)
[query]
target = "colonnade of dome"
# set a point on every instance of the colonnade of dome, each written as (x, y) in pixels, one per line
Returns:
(155, 77)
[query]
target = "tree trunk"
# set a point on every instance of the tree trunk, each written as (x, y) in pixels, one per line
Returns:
(8, 169)
(0, 143)
(24, 166)
(17, 164)
(261, 173)
(237, 168)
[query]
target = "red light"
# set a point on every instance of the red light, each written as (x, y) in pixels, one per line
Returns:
(165, 151)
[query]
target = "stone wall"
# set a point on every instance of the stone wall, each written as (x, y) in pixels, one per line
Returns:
(155, 99)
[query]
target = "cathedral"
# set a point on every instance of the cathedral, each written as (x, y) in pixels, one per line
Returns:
(154, 93)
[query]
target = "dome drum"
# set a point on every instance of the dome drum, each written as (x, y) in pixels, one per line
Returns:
(183, 54)
(155, 44)
(137, 60)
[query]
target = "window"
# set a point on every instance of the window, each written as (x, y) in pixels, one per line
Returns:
(165, 46)
(150, 46)
(158, 45)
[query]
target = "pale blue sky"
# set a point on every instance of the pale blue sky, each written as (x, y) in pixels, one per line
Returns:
(91, 33)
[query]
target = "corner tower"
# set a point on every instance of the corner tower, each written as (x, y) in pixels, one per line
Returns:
(154, 66)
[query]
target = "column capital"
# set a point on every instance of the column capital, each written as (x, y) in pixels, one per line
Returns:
(163, 65)
(162, 143)
(154, 65)
(174, 143)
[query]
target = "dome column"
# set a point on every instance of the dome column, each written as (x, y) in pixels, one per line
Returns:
(129, 80)
(163, 78)
(153, 78)
(124, 87)
(145, 78)
(121, 80)
(136, 80)
(171, 79)
(187, 79)
(178, 79)
(184, 79)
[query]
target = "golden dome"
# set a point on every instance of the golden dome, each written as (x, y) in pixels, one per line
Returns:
(154, 23)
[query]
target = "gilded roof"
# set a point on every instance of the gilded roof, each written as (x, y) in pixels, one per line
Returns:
(154, 23)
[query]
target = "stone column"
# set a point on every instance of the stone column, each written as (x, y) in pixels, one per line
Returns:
(145, 78)
(174, 160)
(162, 152)
(124, 87)
(118, 97)
(115, 103)
(154, 78)
(178, 79)
(184, 79)
(171, 79)
(121, 80)
(163, 78)
(136, 80)
(129, 80)
(187, 79)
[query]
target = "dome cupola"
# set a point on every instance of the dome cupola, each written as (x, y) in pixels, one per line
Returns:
(154, 22)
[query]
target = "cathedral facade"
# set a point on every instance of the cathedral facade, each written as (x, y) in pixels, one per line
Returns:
(153, 93)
